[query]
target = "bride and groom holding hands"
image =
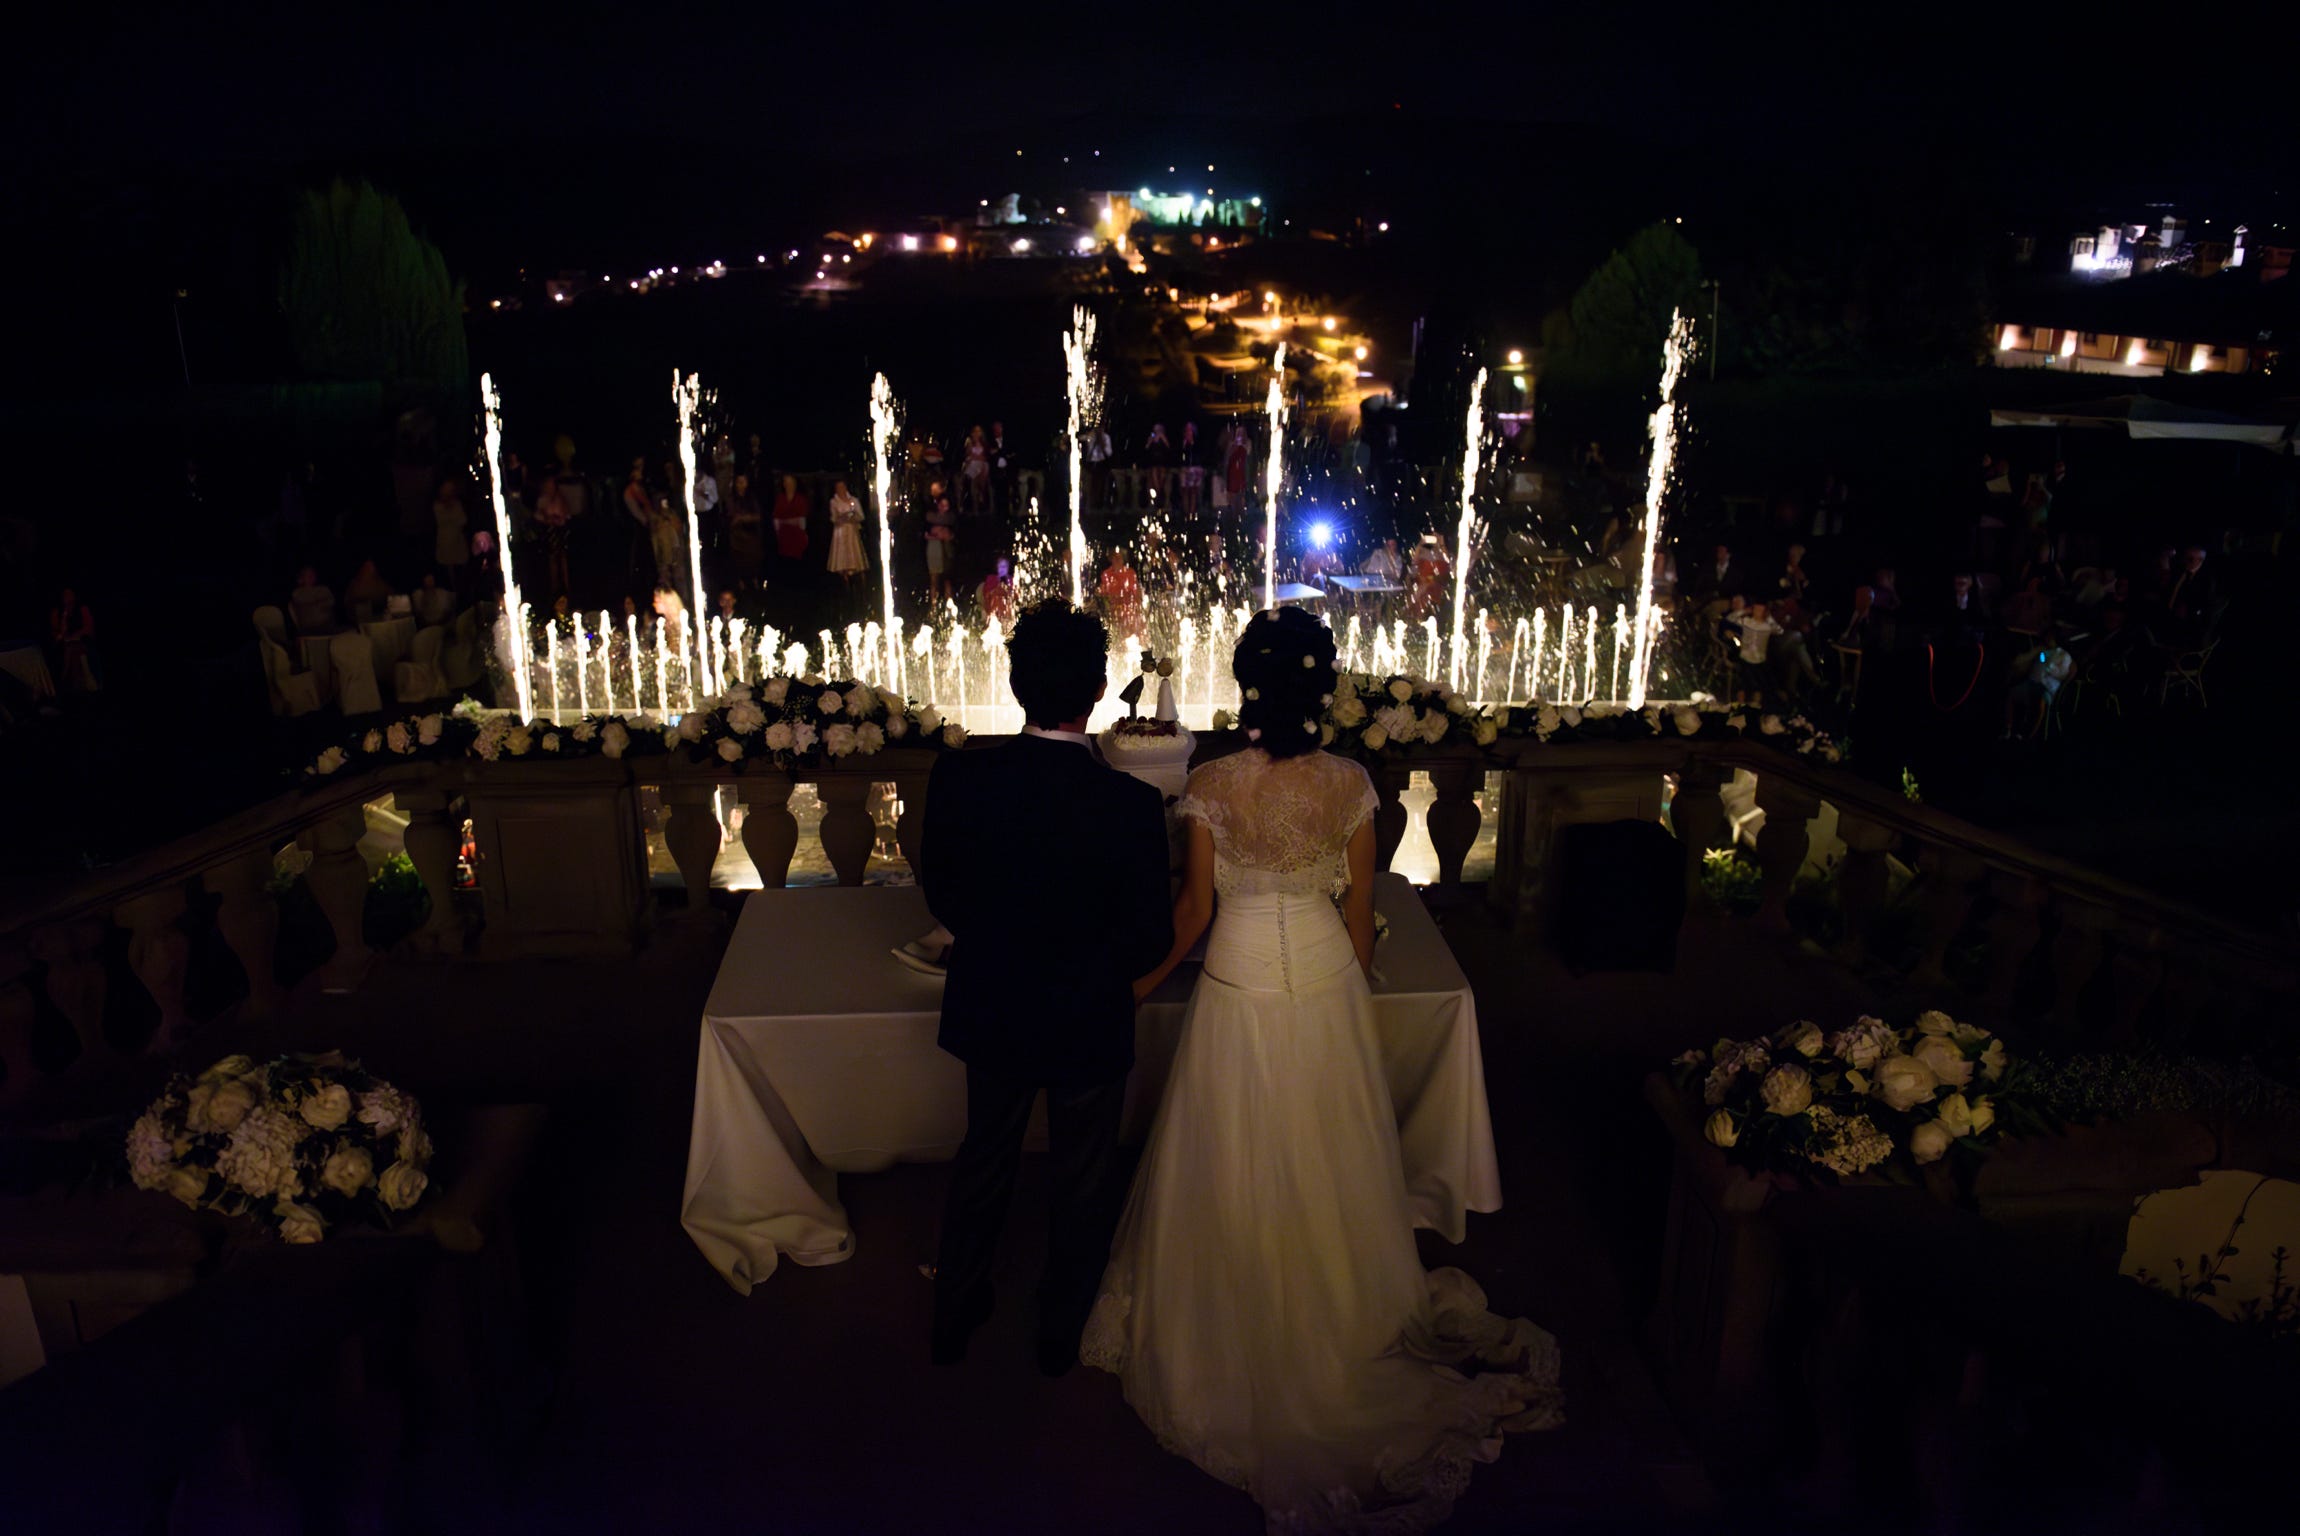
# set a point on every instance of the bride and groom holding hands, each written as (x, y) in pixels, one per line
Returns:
(1257, 1292)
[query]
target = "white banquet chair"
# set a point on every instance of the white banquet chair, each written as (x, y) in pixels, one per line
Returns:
(390, 638)
(292, 692)
(459, 662)
(418, 678)
(354, 661)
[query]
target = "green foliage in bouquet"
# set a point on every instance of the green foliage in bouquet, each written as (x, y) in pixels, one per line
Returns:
(301, 1143)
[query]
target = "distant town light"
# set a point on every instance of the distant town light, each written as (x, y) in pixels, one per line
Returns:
(2010, 335)
(2198, 359)
(1361, 354)
(910, 242)
(1385, 226)
(1060, 212)
(1269, 297)
(1145, 192)
(762, 261)
(2068, 343)
(1085, 245)
(2133, 354)
(1021, 246)
(1329, 322)
(1257, 202)
(949, 242)
(1516, 357)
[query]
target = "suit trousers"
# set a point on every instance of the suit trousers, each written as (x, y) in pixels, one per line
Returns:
(1082, 1129)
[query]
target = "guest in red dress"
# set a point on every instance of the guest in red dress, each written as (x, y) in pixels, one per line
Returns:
(791, 509)
(1121, 592)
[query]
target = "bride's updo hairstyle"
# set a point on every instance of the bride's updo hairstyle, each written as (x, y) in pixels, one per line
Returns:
(1284, 665)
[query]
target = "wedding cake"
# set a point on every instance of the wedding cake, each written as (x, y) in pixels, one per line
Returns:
(1156, 750)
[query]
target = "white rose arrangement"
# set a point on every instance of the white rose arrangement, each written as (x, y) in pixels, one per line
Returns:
(1868, 1098)
(295, 1142)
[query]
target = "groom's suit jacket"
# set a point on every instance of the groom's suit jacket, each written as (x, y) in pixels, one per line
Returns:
(1050, 870)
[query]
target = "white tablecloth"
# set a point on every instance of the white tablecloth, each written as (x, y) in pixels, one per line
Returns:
(818, 1057)
(30, 666)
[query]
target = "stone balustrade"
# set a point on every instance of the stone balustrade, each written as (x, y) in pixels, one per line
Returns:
(561, 869)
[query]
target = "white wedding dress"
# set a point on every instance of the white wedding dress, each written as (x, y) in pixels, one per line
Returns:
(1264, 1305)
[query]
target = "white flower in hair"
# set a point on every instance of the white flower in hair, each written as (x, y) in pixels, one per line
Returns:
(1253, 693)
(1309, 662)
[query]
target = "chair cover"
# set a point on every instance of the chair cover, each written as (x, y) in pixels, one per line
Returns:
(292, 692)
(418, 678)
(272, 625)
(459, 662)
(354, 661)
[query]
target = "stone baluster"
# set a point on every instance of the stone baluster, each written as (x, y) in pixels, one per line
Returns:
(848, 833)
(1390, 816)
(160, 956)
(2014, 928)
(770, 831)
(1697, 816)
(2077, 950)
(73, 955)
(1950, 874)
(691, 833)
(2137, 969)
(17, 1011)
(1453, 817)
(248, 917)
(338, 882)
(1509, 841)
(432, 836)
(910, 826)
(1782, 844)
(1864, 880)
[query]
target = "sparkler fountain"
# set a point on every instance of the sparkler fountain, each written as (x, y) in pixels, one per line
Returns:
(1084, 387)
(885, 423)
(1474, 433)
(514, 610)
(1275, 477)
(686, 394)
(1674, 351)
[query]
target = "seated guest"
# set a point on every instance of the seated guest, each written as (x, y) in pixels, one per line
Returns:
(2094, 585)
(1965, 614)
(311, 606)
(2042, 568)
(434, 604)
(368, 593)
(1794, 579)
(2043, 670)
(997, 594)
(1860, 631)
(1883, 591)
(2026, 611)
(1718, 581)
(2192, 603)
(1385, 563)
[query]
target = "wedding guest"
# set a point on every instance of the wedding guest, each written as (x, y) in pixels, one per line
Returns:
(450, 542)
(72, 627)
(311, 606)
(1756, 627)
(672, 610)
(1794, 579)
(791, 511)
(2026, 611)
(433, 603)
(1193, 475)
(552, 515)
(2045, 668)
(1095, 451)
(368, 593)
(1966, 614)
(1432, 567)
(1237, 454)
(1884, 590)
(2192, 603)
(746, 533)
(1158, 459)
(997, 594)
(1004, 468)
(1719, 581)
(667, 538)
(1219, 575)
(1385, 563)
(974, 473)
(846, 560)
(729, 613)
(941, 534)
(1121, 591)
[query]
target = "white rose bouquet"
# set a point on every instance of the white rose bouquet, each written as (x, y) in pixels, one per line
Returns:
(1868, 1098)
(300, 1142)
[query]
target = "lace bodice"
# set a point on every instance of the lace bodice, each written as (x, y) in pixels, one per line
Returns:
(1281, 825)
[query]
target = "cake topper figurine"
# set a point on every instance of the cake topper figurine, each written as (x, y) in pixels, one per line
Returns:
(1131, 694)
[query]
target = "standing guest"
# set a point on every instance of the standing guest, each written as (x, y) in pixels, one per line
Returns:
(639, 510)
(433, 603)
(1966, 616)
(1885, 590)
(1829, 506)
(2045, 668)
(667, 537)
(2192, 602)
(552, 514)
(1097, 459)
(746, 533)
(1757, 628)
(1219, 576)
(755, 461)
(72, 626)
(311, 606)
(1121, 591)
(1719, 581)
(997, 594)
(941, 534)
(672, 610)
(1432, 567)
(847, 560)
(974, 473)
(450, 544)
(729, 612)
(1004, 468)
(1193, 477)
(791, 510)
(1794, 579)
(367, 594)
(1237, 455)
(1158, 458)
(2041, 566)
(1385, 563)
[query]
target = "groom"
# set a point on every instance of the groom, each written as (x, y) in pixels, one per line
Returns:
(1050, 871)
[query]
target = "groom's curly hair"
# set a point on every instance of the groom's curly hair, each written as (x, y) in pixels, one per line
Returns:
(1058, 660)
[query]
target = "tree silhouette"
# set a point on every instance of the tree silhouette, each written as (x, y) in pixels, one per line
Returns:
(365, 297)
(1615, 325)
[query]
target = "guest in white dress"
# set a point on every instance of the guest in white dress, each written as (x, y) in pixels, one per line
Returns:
(1264, 1306)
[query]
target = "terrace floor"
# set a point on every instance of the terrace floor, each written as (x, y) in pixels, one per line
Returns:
(810, 1403)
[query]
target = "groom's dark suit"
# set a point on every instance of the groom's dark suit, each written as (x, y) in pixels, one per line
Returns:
(1050, 871)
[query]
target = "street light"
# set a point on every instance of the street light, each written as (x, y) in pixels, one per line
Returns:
(1516, 358)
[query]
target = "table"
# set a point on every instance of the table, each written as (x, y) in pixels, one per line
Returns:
(1297, 592)
(1365, 586)
(818, 1057)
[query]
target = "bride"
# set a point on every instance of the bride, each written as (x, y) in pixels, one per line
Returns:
(1264, 1306)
